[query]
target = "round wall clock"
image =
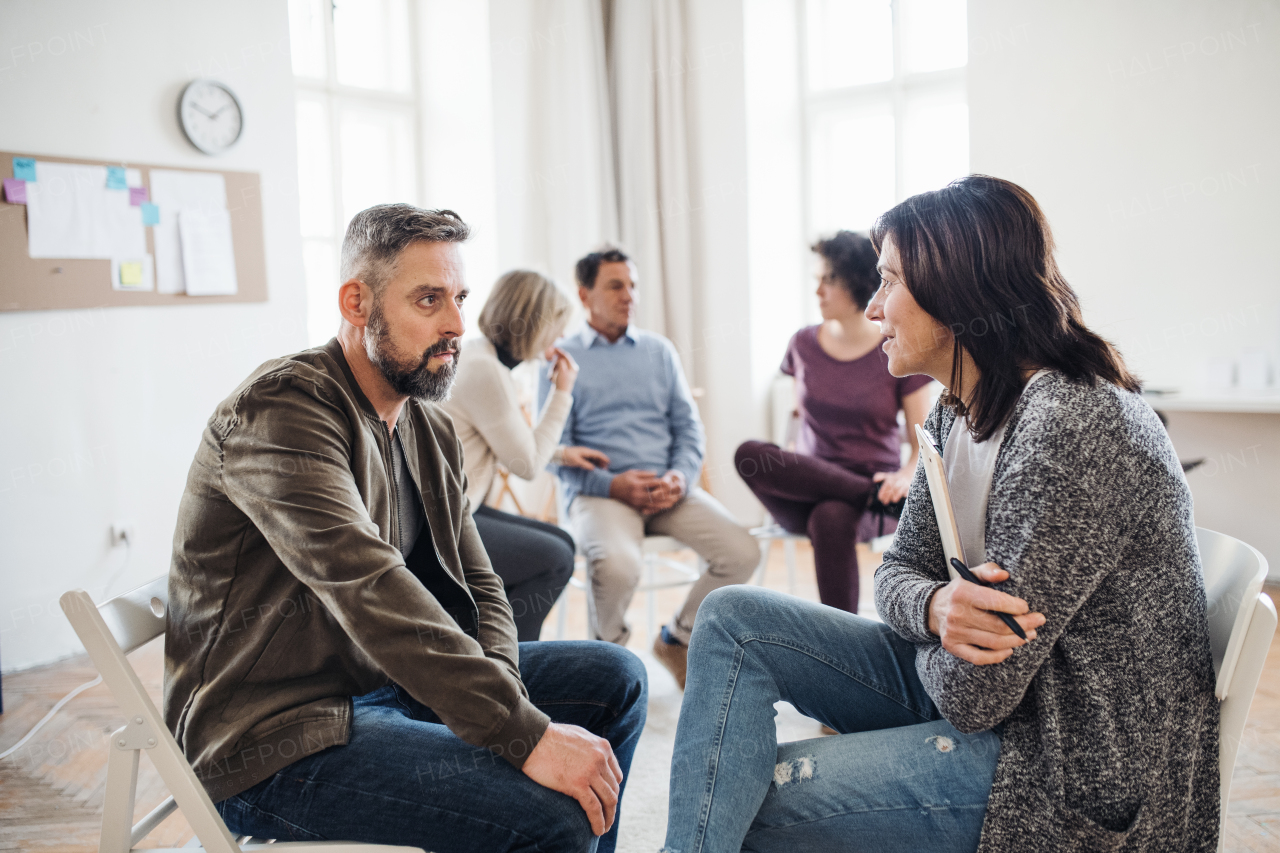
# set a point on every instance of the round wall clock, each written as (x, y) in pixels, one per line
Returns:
(210, 115)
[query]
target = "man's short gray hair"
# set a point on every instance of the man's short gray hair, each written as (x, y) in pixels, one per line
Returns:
(376, 237)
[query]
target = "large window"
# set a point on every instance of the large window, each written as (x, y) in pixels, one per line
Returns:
(358, 141)
(886, 117)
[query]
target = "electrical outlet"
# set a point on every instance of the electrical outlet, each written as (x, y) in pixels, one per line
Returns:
(123, 533)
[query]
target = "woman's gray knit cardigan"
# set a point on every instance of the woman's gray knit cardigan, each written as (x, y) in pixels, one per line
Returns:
(1111, 723)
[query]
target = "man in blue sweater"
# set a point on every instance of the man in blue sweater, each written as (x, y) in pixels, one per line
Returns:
(632, 402)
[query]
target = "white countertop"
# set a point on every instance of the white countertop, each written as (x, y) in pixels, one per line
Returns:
(1259, 402)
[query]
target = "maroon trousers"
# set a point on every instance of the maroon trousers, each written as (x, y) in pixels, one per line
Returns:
(820, 499)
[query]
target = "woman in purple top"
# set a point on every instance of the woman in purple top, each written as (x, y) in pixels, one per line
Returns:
(849, 440)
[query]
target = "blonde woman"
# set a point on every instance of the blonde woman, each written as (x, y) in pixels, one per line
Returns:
(521, 320)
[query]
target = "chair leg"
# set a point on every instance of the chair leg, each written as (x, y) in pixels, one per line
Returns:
(758, 578)
(562, 609)
(118, 801)
(789, 548)
(650, 601)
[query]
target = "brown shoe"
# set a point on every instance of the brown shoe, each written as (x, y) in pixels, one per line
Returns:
(673, 656)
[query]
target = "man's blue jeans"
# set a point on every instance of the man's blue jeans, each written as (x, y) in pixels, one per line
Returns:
(404, 778)
(900, 779)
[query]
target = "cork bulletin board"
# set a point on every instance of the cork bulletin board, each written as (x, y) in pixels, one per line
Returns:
(36, 284)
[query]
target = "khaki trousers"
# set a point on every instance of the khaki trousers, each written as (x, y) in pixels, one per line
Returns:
(610, 534)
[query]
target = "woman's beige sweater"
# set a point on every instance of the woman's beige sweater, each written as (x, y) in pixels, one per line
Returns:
(485, 408)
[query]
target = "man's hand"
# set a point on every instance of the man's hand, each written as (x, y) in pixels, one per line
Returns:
(958, 614)
(575, 762)
(583, 457)
(634, 488)
(670, 491)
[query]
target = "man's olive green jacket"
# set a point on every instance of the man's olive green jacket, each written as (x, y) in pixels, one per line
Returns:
(287, 597)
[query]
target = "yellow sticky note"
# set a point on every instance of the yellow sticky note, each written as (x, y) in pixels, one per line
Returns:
(130, 273)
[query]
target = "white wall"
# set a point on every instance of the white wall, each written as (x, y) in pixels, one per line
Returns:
(104, 408)
(1148, 131)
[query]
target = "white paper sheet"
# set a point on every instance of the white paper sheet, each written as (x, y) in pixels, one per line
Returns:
(174, 192)
(208, 259)
(72, 214)
(148, 273)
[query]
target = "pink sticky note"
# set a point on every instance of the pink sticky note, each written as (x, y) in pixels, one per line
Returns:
(137, 195)
(15, 191)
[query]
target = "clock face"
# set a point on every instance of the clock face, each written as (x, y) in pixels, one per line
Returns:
(211, 116)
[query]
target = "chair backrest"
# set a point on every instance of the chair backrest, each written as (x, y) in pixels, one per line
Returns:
(1234, 710)
(1242, 623)
(137, 616)
(1233, 576)
(108, 633)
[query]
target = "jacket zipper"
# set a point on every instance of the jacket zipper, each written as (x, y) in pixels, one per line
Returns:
(426, 521)
(389, 461)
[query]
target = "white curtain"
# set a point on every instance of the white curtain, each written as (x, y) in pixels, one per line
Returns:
(593, 144)
(552, 134)
(648, 74)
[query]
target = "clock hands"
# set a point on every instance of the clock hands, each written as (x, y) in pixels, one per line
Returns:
(210, 115)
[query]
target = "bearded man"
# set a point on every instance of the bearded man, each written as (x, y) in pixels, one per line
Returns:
(340, 660)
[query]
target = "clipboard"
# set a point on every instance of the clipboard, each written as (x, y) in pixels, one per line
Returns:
(942, 507)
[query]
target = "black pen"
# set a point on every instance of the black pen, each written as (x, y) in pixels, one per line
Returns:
(972, 578)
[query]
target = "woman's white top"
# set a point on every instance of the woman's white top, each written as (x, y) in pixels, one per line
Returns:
(969, 465)
(485, 407)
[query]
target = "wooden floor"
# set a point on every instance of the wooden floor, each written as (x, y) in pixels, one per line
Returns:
(51, 789)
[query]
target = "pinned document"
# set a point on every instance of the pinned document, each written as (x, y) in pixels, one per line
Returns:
(133, 273)
(174, 192)
(15, 191)
(150, 213)
(24, 168)
(208, 258)
(137, 195)
(72, 214)
(116, 179)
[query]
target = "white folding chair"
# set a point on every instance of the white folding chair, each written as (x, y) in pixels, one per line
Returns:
(771, 530)
(765, 534)
(1242, 622)
(660, 572)
(110, 632)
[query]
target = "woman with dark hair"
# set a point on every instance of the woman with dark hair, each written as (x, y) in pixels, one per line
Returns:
(1098, 732)
(849, 441)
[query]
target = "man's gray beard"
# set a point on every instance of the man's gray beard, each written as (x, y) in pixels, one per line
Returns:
(415, 380)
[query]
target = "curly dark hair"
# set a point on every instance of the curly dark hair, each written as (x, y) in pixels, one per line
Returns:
(853, 262)
(588, 267)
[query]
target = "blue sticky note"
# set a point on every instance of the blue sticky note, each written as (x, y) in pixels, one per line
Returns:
(24, 168)
(150, 213)
(116, 179)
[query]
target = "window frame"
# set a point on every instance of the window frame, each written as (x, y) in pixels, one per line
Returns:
(338, 97)
(897, 93)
